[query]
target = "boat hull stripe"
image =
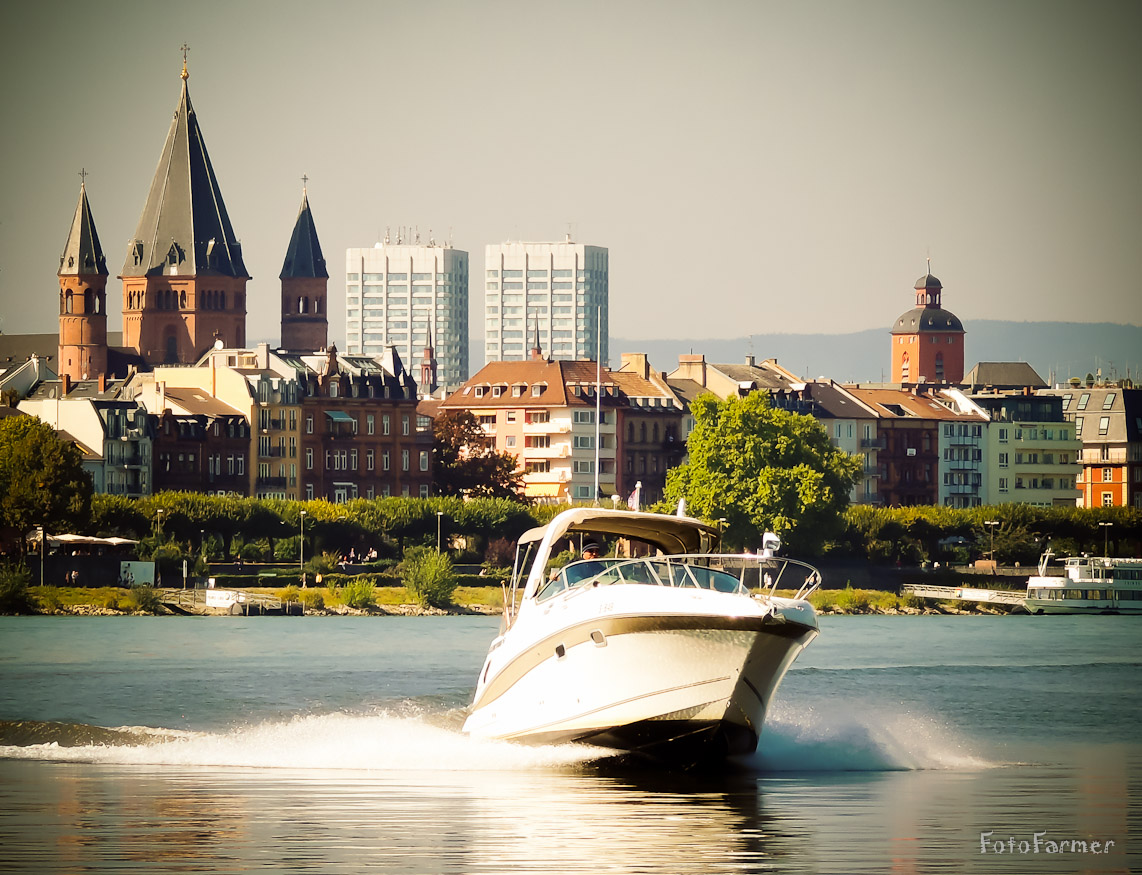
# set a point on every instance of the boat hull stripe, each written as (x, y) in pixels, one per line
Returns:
(611, 626)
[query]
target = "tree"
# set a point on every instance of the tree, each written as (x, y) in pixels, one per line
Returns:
(465, 463)
(761, 469)
(42, 481)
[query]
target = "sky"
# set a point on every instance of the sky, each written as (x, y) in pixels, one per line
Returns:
(753, 167)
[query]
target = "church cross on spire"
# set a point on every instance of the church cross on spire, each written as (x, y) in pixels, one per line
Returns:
(82, 176)
(184, 48)
(304, 182)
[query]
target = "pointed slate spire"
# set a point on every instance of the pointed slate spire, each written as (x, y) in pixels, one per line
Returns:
(303, 257)
(82, 254)
(184, 229)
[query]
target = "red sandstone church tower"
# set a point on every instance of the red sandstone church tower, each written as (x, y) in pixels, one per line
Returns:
(928, 341)
(184, 282)
(305, 281)
(82, 298)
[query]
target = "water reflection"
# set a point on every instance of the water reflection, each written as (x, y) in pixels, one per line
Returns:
(99, 817)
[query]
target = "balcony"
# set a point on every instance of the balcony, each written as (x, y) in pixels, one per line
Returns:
(964, 464)
(962, 489)
(1096, 455)
(271, 482)
(877, 443)
(546, 428)
(560, 451)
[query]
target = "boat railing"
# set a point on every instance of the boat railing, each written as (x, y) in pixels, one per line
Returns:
(721, 572)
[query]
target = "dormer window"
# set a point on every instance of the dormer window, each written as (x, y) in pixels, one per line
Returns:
(479, 392)
(497, 391)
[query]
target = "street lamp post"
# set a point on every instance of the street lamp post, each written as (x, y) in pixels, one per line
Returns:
(439, 515)
(991, 524)
(158, 564)
(43, 549)
(301, 550)
(1105, 537)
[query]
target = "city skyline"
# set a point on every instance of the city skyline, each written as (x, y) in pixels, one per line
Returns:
(788, 166)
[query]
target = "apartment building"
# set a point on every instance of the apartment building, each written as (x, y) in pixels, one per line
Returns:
(1108, 421)
(411, 297)
(553, 296)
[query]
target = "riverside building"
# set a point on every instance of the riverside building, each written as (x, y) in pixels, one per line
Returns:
(413, 297)
(559, 290)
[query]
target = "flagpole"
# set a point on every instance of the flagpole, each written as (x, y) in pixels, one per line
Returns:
(598, 392)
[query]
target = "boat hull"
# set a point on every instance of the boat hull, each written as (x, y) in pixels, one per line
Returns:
(1081, 606)
(672, 687)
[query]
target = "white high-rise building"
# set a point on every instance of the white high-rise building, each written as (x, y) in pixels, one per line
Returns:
(561, 286)
(396, 293)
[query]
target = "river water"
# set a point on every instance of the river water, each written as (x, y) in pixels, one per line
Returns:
(332, 745)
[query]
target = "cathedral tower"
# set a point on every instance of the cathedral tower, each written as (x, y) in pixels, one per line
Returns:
(82, 298)
(928, 341)
(305, 281)
(184, 282)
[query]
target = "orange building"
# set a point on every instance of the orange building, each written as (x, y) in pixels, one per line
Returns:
(82, 299)
(184, 282)
(928, 341)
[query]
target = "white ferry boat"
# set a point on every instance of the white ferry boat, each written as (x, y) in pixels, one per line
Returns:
(1089, 585)
(668, 657)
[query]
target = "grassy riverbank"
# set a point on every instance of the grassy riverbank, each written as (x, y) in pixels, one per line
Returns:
(483, 600)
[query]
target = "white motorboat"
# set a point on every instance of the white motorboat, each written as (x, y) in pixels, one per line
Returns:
(663, 653)
(1088, 585)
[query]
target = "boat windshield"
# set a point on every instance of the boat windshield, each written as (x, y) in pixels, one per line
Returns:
(690, 571)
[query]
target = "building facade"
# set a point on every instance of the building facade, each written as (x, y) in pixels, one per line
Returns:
(559, 291)
(543, 412)
(1031, 455)
(411, 297)
(1108, 421)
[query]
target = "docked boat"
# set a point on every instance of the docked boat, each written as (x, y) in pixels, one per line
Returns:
(1088, 585)
(663, 652)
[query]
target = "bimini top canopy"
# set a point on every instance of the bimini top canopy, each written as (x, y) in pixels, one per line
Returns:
(670, 534)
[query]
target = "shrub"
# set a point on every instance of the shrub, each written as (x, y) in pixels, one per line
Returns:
(289, 594)
(854, 601)
(109, 601)
(359, 593)
(428, 576)
(143, 600)
(254, 551)
(15, 592)
(312, 600)
(321, 564)
(49, 598)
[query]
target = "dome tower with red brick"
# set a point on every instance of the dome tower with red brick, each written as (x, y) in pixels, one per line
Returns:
(928, 341)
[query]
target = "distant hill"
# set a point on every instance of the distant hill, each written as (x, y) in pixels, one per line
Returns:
(1064, 349)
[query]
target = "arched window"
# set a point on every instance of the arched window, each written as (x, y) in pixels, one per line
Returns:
(939, 366)
(656, 432)
(182, 298)
(88, 301)
(904, 377)
(642, 433)
(630, 432)
(172, 348)
(67, 302)
(221, 300)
